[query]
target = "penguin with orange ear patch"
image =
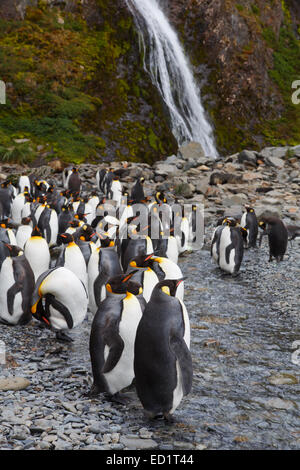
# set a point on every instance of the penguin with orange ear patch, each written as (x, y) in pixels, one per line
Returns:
(112, 337)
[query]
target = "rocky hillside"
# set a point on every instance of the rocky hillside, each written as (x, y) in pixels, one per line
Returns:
(76, 89)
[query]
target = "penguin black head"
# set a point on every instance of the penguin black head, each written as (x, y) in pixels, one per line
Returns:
(107, 242)
(244, 232)
(86, 232)
(141, 261)
(119, 284)
(74, 223)
(249, 209)
(160, 197)
(230, 221)
(26, 220)
(262, 224)
(65, 238)
(134, 288)
(36, 232)
(14, 250)
(169, 286)
(75, 170)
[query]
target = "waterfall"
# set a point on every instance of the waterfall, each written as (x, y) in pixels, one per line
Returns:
(170, 71)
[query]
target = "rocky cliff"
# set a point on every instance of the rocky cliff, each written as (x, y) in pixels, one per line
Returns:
(76, 88)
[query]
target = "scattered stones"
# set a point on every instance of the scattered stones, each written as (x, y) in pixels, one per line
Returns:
(14, 383)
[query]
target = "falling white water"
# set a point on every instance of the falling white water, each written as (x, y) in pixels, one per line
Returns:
(170, 71)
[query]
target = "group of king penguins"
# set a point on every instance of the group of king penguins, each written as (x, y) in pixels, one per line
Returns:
(233, 234)
(65, 250)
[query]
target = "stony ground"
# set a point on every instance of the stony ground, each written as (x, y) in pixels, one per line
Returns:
(246, 375)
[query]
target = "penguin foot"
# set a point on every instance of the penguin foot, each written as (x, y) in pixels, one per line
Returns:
(61, 336)
(120, 398)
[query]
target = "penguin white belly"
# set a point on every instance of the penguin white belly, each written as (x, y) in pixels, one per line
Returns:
(11, 236)
(173, 271)
(26, 211)
(225, 241)
(70, 292)
(75, 262)
(36, 251)
(58, 322)
(243, 219)
(16, 208)
(53, 227)
(186, 321)
(149, 247)
(92, 275)
(150, 281)
(243, 224)
(6, 281)
(23, 234)
(38, 212)
(122, 374)
(178, 391)
(172, 250)
(23, 182)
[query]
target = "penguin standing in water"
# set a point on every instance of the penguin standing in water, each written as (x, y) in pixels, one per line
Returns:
(249, 222)
(231, 248)
(162, 359)
(215, 239)
(71, 257)
(37, 252)
(16, 288)
(112, 338)
(59, 301)
(277, 234)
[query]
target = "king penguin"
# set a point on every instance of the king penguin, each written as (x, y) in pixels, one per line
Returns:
(249, 222)
(103, 264)
(277, 234)
(59, 301)
(162, 359)
(16, 288)
(71, 257)
(112, 338)
(37, 252)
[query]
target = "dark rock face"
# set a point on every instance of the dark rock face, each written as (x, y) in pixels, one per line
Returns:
(82, 61)
(240, 44)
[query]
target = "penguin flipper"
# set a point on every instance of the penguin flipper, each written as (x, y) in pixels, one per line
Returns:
(11, 294)
(116, 346)
(51, 300)
(183, 355)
